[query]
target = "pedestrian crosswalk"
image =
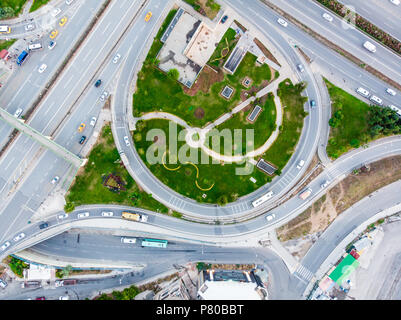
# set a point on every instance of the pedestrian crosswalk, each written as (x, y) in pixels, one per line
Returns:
(176, 202)
(303, 274)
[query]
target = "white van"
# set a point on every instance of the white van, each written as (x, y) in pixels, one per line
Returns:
(376, 100)
(394, 108)
(35, 46)
(128, 240)
(369, 46)
(363, 92)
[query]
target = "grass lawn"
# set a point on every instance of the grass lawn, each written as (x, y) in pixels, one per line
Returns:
(103, 160)
(229, 37)
(10, 8)
(226, 182)
(209, 7)
(6, 44)
(293, 115)
(37, 4)
(263, 127)
(354, 125)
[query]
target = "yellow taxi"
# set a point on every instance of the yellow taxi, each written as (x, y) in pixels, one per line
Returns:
(81, 127)
(148, 15)
(63, 21)
(53, 34)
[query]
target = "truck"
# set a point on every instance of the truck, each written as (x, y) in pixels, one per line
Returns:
(21, 58)
(67, 282)
(305, 194)
(134, 216)
(31, 284)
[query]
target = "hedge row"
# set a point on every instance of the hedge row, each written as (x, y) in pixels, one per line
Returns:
(364, 25)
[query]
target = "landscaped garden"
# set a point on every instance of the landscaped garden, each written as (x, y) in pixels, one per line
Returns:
(355, 123)
(208, 8)
(10, 8)
(104, 179)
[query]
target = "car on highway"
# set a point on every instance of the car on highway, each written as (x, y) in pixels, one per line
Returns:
(270, 217)
(313, 104)
(63, 216)
(394, 108)
(3, 284)
(324, 184)
(56, 12)
(396, 2)
(107, 214)
(64, 298)
(376, 100)
(300, 67)
(300, 164)
(98, 83)
(82, 140)
(55, 179)
(81, 127)
(53, 34)
(83, 215)
(93, 121)
(18, 113)
(116, 58)
(363, 92)
(5, 246)
(282, 22)
(42, 68)
(62, 21)
(29, 27)
(369, 46)
(51, 45)
(327, 16)
(128, 240)
(40, 298)
(43, 225)
(68, 2)
(126, 140)
(224, 19)
(19, 237)
(104, 96)
(148, 15)
(391, 92)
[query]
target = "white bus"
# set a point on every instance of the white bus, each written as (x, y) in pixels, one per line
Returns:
(5, 29)
(35, 46)
(262, 199)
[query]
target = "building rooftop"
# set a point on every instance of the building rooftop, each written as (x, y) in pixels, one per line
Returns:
(229, 290)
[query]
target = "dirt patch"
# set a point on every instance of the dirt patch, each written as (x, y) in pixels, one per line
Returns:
(199, 113)
(340, 197)
(306, 57)
(312, 172)
(206, 79)
(266, 51)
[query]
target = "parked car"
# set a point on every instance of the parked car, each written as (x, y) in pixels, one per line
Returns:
(107, 214)
(82, 140)
(224, 19)
(83, 215)
(116, 58)
(19, 237)
(98, 83)
(282, 22)
(270, 217)
(63, 216)
(43, 225)
(126, 140)
(55, 179)
(93, 121)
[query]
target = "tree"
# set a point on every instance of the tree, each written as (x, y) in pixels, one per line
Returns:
(355, 143)
(173, 74)
(222, 200)
(67, 270)
(69, 207)
(334, 122)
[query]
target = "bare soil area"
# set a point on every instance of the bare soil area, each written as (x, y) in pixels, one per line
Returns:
(206, 79)
(343, 195)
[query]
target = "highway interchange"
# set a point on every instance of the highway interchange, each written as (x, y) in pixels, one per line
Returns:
(73, 99)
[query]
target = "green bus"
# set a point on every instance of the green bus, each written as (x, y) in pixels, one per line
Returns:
(154, 243)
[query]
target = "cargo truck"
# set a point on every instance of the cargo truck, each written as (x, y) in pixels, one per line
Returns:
(305, 194)
(134, 216)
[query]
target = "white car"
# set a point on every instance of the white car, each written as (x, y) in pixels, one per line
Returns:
(116, 58)
(369, 46)
(128, 240)
(325, 184)
(63, 216)
(104, 95)
(93, 121)
(270, 217)
(55, 12)
(391, 91)
(5, 246)
(300, 164)
(327, 17)
(300, 67)
(55, 179)
(42, 68)
(68, 2)
(83, 215)
(19, 237)
(18, 112)
(107, 214)
(396, 2)
(64, 298)
(282, 22)
(29, 27)
(127, 141)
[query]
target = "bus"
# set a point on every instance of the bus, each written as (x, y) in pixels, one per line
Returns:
(21, 58)
(35, 46)
(262, 199)
(154, 243)
(5, 29)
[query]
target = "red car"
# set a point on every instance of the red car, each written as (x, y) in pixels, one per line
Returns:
(40, 298)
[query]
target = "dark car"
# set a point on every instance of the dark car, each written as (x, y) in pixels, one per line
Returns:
(224, 19)
(97, 83)
(43, 225)
(40, 298)
(83, 138)
(313, 104)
